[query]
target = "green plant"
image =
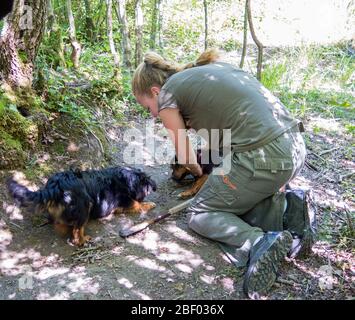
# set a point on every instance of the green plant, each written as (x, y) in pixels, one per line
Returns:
(350, 128)
(272, 75)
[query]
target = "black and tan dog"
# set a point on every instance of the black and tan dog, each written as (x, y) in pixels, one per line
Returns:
(71, 198)
(180, 172)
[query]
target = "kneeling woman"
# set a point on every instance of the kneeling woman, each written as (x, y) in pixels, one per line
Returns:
(241, 209)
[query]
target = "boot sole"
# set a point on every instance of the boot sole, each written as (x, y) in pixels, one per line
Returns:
(262, 275)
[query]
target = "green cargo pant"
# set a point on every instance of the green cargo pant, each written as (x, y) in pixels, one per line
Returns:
(237, 208)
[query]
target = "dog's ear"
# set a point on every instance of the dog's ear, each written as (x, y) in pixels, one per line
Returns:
(131, 181)
(145, 186)
(139, 185)
(150, 184)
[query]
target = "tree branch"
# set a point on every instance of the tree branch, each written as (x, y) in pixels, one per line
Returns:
(257, 42)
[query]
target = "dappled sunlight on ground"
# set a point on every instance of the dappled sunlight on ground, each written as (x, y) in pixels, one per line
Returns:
(127, 284)
(168, 251)
(168, 260)
(5, 235)
(326, 125)
(181, 234)
(147, 263)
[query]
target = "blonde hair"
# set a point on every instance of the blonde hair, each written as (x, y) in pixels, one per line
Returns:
(155, 70)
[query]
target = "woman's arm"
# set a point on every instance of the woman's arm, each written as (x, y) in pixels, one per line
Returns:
(175, 124)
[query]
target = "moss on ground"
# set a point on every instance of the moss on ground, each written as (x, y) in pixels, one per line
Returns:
(19, 131)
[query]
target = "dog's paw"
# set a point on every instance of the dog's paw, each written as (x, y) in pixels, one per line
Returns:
(185, 195)
(147, 206)
(79, 242)
(87, 239)
(140, 207)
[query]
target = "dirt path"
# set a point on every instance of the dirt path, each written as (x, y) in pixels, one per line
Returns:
(168, 261)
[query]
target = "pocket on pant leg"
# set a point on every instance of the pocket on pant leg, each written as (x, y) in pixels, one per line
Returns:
(270, 174)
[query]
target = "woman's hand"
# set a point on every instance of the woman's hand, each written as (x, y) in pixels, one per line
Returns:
(195, 169)
(175, 125)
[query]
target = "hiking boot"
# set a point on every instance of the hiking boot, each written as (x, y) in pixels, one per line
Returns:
(264, 260)
(300, 221)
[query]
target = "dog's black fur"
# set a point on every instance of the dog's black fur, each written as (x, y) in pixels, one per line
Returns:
(73, 197)
(180, 172)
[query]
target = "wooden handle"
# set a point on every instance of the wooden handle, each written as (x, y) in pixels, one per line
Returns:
(180, 206)
(145, 224)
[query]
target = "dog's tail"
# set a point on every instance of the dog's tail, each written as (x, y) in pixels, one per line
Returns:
(23, 195)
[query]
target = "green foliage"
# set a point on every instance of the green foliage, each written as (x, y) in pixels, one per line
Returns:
(231, 45)
(16, 134)
(314, 80)
(316, 67)
(141, 111)
(78, 113)
(331, 104)
(15, 125)
(336, 230)
(52, 50)
(64, 93)
(10, 142)
(127, 88)
(12, 154)
(350, 128)
(23, 56)
(182, 39)
(308, 79)
(272, 75)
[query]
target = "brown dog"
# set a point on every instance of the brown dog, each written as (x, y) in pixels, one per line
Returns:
(180, 172)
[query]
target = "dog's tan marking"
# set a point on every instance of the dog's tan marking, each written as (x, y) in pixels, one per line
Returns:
(55, 210)
(178, 171)
(118, 210)
(140, 207)
(195, 187)
(79, 238)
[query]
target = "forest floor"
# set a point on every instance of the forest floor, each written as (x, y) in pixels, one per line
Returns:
(167, 260)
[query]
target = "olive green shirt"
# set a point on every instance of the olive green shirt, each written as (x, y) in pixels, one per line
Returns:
(221, 96)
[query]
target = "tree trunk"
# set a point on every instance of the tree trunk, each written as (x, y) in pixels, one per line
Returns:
(154, 25)
(19, 42)
(160, 23)
(126, 44)
(257, 42)
(55, 35)
(139, 33)
(115, 55)
(101, 19)
(245, 36)
(76, 47)
(50, 17)
(89, 22)
(206, 22)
